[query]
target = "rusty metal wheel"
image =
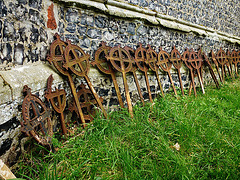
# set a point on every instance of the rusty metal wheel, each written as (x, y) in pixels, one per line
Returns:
(76, 60)
(56, 55)
(120, 59)
(36, 118)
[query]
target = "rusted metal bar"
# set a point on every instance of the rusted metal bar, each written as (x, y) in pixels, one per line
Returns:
(87, 102)
(106, 67)
(78, 62)
(176, 60)
(36, 118)
(166, 65)
(56, 57)
(191, 83)
(235, 59)
(60, 104)
(201, 58)
(229, 63)
(238, 58)
(152, 62)
(208, 64)
(185, 58)
(5, 172)
(121, 61)
(134, 69)
(140, 60)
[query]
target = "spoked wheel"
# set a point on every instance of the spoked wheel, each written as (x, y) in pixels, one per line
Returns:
(121, 61)
(141, 60)
(166, 65)
(36, 118)
(176, 60)
(106, 67)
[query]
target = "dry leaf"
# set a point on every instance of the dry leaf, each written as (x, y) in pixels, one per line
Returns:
(177, 146)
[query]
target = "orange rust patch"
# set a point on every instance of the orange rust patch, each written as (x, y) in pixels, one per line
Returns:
(51, 23)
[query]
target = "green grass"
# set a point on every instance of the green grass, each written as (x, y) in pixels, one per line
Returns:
(206, 127)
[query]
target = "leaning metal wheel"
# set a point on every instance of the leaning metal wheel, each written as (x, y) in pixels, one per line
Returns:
(36, 118)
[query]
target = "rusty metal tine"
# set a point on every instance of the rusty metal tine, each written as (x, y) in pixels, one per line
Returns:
(223, 72)
(199, 69)
(193, 84)
(64, 129)
(147, 83)
(236, 70)
(180, 80)
(200, 80)
(229, 71)
(171, 80)
(129, 103)
(138, 88)
(207, 62)
(159, 82)
(214, 78)
(95, 95)
(74, 93)
(148, 86)
(201, 73)
(117, 90)
(190, 88)
(219, 75)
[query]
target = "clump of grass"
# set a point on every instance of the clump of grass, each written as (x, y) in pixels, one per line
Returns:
(206, 127)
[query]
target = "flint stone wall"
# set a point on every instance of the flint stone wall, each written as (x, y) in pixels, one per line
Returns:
(26, 37)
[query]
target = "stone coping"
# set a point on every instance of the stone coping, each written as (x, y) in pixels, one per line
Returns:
(35, 76)
(125, 10)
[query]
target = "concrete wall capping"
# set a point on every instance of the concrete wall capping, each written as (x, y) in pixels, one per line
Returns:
(125, 10)
(34, 75)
